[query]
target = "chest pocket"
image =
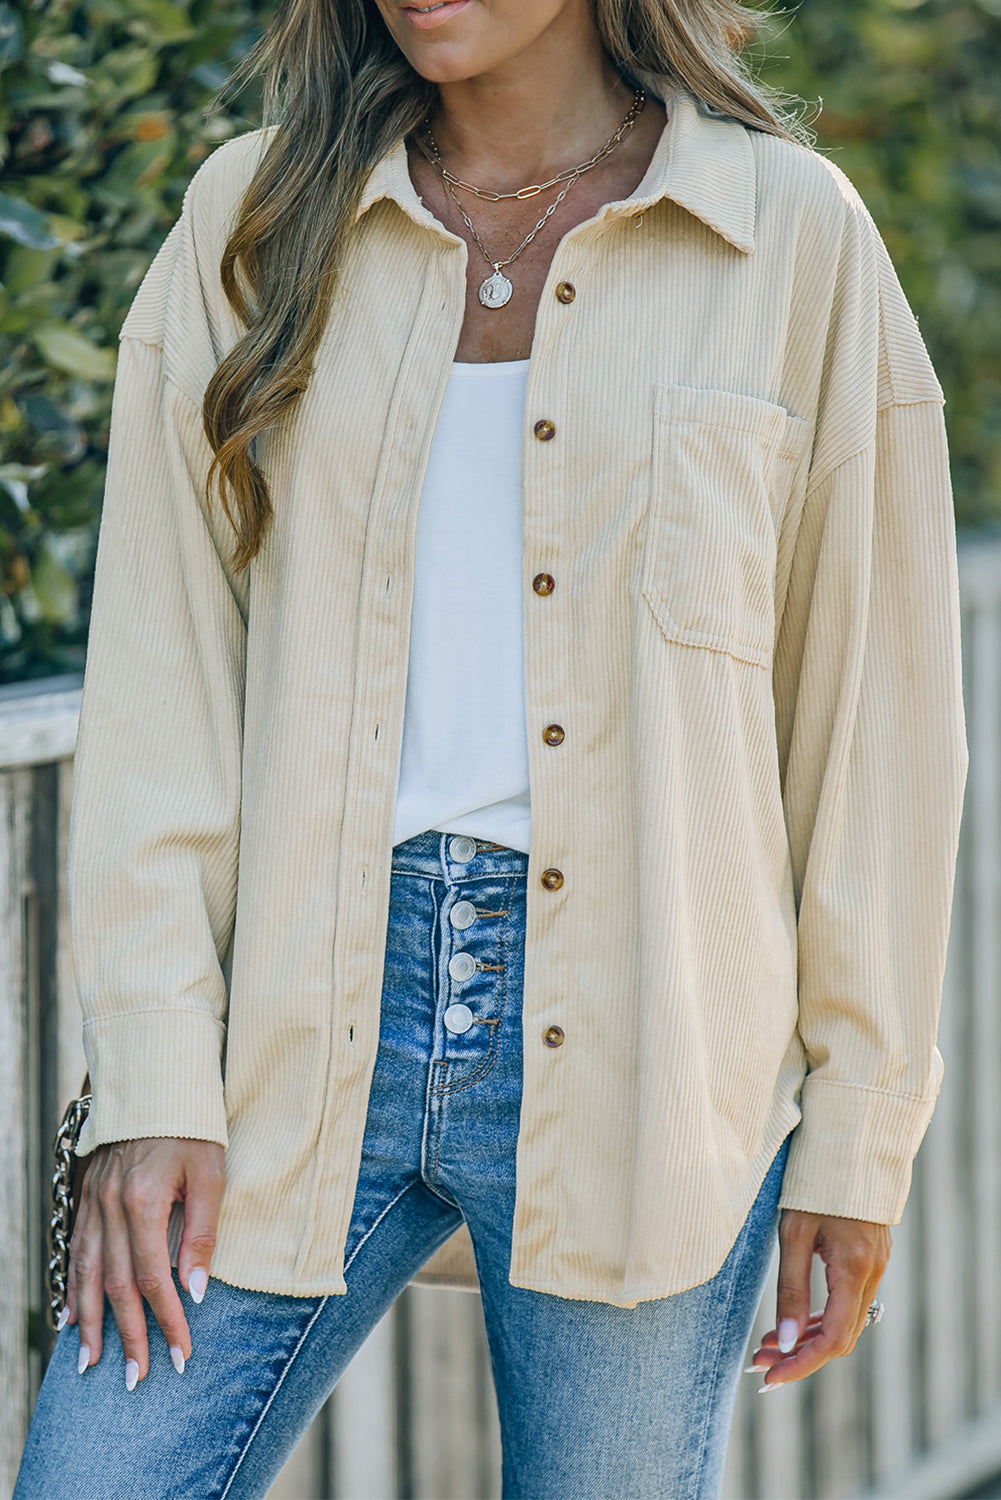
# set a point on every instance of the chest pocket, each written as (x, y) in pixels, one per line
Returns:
(724, 466)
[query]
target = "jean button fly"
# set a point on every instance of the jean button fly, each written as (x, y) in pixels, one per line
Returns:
(462, 849)
(458, 1018)
(462, 966)
(463, 914)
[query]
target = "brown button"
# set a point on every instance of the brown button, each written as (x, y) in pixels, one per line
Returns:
(566, 291)
(553, 734)
(544, 430)
(543, 583)
(553, 1036)
(552, 879)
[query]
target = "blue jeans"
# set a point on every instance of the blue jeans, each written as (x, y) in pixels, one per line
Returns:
(596, 1401)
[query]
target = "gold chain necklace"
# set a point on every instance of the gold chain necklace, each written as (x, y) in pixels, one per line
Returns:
(497, 289)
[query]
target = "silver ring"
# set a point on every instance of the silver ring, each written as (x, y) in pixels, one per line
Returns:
(874, 1314)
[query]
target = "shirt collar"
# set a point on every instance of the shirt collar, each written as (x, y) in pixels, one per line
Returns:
(704, 161)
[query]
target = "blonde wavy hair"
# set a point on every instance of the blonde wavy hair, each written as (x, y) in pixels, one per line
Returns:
(341, 94)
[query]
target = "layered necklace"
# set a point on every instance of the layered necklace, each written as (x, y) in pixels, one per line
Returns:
(497, 289)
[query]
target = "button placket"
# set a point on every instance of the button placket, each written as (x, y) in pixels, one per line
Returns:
(472, 994)
(545, 430)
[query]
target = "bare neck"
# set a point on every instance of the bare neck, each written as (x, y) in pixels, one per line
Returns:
(534, 117)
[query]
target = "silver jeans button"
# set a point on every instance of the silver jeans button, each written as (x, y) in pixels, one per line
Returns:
(462, 966)
(463, 914)
(462, 849)
(458, 1018)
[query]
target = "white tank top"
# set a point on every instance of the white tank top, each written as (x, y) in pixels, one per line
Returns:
(464, 757)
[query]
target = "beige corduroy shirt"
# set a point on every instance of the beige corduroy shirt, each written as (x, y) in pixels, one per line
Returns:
(752, 648)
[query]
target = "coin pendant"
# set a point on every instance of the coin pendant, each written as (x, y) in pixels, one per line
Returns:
(496, 290)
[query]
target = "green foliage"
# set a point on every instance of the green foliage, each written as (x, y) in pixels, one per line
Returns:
(911, 111)
(102, 124)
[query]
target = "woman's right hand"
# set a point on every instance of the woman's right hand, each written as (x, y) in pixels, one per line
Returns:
(119, 1243)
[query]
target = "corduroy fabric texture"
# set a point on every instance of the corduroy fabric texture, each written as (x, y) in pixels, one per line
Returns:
(752, 647)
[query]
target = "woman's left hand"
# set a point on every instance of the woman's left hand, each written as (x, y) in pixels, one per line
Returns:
(855, 1253)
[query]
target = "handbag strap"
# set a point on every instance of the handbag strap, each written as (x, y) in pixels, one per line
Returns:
(62, 1205)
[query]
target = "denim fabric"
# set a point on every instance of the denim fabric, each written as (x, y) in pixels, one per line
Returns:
(596, 1401)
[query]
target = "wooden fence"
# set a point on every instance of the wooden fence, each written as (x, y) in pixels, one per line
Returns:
(915, 1414)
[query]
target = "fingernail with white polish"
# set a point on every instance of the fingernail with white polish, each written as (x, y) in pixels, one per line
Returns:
(131, 1374)
(61, 1320)
(756, 1369)
(788, 1334)
(84, 1359)
(178, 1358)
(776, 1385)
(197, 1282)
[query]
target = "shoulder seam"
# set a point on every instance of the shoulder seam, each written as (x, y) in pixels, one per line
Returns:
(134, 338)
(914, 401)
(815, 483)
(168, 378)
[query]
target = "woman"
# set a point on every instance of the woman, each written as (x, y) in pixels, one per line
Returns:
(525, 408)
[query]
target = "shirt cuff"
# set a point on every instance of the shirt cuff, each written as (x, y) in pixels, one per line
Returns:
(154, 1073)
(851, 1154)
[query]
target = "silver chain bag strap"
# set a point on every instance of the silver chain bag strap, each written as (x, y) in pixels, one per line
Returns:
(62, 1203)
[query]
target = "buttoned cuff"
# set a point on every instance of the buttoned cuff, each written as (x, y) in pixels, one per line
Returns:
(851, 1154)
(154, 1073)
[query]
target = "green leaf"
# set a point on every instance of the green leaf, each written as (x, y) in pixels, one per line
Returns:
(10, 630)
(66, 348)
(64, 73)
(160, 20)
(125, 73)
(15, 478)
(26, 268)
(21, 222)
(54, 585)
(11, 34)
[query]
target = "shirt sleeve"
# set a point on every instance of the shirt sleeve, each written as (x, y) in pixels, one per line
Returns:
(155, 814)
(873, 751)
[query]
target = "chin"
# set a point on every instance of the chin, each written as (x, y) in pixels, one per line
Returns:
(474, 41)
(448, 64)
(443, 53)
(442, 75)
